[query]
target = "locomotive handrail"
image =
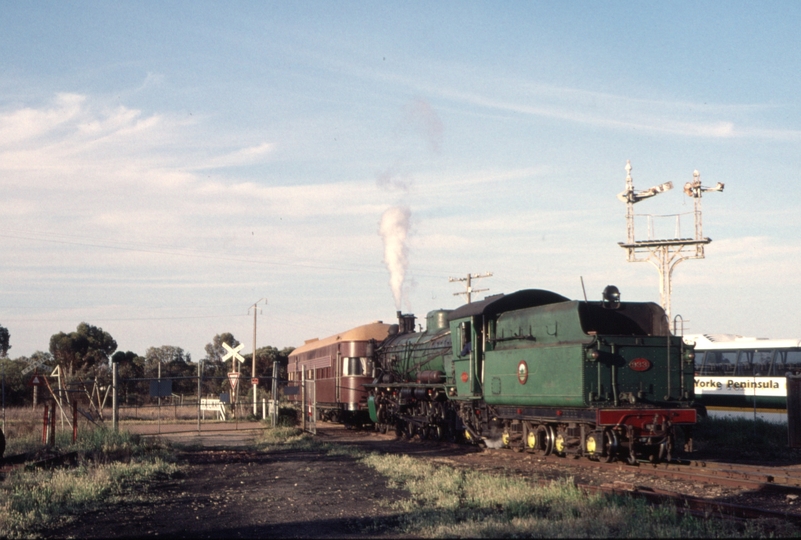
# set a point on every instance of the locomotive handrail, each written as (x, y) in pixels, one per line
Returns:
(668, 336)
(681, 352)
(529, 337)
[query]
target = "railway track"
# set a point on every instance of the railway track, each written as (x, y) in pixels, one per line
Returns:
(695, 506)
(750, 477)
(746, 492)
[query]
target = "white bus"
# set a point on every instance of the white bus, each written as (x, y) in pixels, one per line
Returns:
(738, 373)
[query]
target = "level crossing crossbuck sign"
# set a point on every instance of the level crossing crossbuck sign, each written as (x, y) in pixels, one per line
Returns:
(233, 353)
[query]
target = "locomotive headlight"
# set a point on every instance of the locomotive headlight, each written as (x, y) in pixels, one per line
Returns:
(592, 355)
(689, 357)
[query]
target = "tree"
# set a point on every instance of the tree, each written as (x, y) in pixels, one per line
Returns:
(4, 341)
(84, 352)
(17, 391)
(215, 350)
(265, 356)
(130, 366)
(174, 363)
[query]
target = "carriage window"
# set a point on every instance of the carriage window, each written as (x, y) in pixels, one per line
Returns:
(720, 363)
(355, 366)
(787, 361)
(464, 343)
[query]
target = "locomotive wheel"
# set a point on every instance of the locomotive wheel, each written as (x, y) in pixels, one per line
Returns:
(529, 438)
(544, 440)
(435, 432)
(610, 446)
(594, 445)
(560, 444)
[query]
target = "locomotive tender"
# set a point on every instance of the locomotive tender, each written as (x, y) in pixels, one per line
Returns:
(537, 372)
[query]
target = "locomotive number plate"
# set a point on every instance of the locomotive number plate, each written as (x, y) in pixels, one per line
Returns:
(522, 372)
(640, 364)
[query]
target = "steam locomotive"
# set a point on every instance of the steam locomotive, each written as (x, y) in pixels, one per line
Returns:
(531, 370)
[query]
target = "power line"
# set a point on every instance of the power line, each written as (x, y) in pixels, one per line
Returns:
(65, 318)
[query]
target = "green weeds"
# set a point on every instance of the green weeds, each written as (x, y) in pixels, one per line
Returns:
(110, 465)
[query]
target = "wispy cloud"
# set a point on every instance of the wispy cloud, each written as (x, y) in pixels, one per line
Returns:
(620, 112)
(603, 110)
(240, 157)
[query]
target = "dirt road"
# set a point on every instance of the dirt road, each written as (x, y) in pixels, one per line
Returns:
(230, 491)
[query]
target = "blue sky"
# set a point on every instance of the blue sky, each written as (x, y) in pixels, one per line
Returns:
(166, 164)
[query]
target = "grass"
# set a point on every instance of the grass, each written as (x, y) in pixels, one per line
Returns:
(446, 502)
(113, 467)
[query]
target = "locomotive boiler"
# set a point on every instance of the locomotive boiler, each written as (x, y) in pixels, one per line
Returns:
(538, 372)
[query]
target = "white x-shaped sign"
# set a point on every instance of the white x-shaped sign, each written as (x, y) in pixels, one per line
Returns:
(233, 353)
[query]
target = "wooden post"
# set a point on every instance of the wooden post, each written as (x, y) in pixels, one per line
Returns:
(199, 390)
(44, 424)
(303, 398)
(53, 424)
(115, 411)
(274, 395)
(74, 421)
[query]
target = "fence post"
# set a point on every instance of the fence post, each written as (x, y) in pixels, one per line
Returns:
(199, 382)
(303, 399)
(115, 410)
(45, 422)
(74, 421)
(274, 395)
(52, 441)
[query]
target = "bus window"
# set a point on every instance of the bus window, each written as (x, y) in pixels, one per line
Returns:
(699, 362)
(720, 363)
(787, 361)
(753, 363)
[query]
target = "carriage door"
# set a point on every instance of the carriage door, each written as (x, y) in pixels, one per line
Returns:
(465, 352)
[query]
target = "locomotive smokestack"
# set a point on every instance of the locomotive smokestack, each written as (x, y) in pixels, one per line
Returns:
(405, 323)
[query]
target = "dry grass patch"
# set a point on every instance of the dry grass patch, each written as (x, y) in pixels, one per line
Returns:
(113, 467)
(453, 503)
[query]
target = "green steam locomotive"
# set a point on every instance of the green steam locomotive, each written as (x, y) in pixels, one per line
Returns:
(537, 372)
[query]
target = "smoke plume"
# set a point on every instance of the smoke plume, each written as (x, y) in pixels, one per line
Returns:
(394, 229)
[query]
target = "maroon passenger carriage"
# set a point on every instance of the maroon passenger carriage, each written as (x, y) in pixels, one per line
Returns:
(339, 366)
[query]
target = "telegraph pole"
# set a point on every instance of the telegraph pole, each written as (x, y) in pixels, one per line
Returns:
(253, 372)
(469, 290)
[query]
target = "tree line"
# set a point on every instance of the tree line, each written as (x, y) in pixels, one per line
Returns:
(84, 358)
